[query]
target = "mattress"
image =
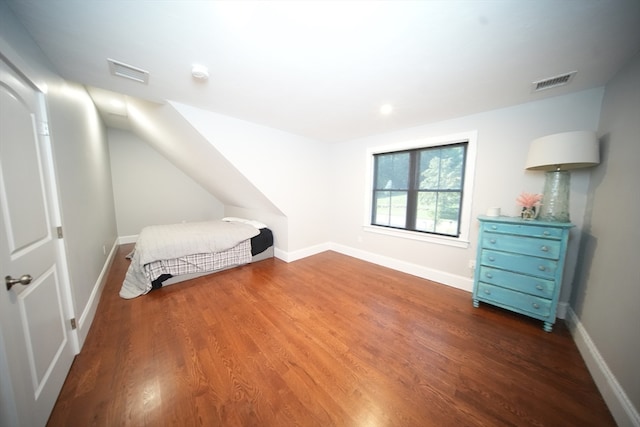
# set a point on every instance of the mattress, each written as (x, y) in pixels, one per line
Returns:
(166, 272)
(174, 250)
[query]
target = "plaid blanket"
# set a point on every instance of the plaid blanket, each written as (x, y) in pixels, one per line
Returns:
(168, 242)
(199, 263)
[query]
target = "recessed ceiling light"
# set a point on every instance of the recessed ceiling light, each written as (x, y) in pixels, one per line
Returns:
(386, 109)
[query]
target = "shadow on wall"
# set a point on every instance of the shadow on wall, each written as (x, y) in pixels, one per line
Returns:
(588, 243)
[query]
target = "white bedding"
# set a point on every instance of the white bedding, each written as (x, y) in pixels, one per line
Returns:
(162, 242)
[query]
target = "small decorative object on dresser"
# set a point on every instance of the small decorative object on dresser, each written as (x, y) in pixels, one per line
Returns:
(529, 202)
(520, 264)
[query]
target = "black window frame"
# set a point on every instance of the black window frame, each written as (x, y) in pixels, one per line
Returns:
(413, 187)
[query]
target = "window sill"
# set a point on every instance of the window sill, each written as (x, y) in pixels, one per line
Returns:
(412, 235)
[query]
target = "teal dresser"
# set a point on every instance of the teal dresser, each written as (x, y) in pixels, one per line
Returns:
(519, 265)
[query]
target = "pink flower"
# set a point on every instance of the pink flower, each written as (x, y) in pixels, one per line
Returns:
(529, 200)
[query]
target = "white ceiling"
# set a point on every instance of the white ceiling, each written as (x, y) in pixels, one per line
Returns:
(322, 69)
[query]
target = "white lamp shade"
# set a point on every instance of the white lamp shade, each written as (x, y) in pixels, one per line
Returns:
(562, 151)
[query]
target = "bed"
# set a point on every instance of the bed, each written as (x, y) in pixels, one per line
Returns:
(172, 253)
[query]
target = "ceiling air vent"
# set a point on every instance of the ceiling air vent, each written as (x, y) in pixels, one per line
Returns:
(551, 82)
(127, 71)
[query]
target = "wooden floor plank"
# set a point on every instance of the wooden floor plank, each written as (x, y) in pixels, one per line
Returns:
(327, 340)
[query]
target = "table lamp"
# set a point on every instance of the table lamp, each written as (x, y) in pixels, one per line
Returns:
(557, 154)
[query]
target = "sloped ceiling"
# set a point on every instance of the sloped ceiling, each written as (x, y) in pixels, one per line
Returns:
(322, 69)
(165, 129)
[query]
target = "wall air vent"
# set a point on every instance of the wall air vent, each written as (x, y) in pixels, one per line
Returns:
(552, 82)
(127, 71)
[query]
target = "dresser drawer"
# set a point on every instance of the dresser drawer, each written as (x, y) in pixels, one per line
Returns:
(519, 282)
(540, 267)
(523, 230)
(539, 307)
(543, 248)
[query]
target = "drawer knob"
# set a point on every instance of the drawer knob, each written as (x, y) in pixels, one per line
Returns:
(492, 241)
(539, 287)
(542, 268)
(493, 227)
(546, 233)
(544, 249)
(536, 305)
(491, 259)
(487, 291)
(489, 275)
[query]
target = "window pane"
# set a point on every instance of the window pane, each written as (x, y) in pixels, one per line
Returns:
(429, 169)
(451, 163)
(390, 208)
(426, 215)
(447, 213)
(392, 171)
(441, 168)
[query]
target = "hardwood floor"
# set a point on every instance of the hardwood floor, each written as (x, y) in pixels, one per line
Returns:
(325, 341)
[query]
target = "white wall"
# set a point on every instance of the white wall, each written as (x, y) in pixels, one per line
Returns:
(291, 171)
(81, 157)
(503, 142)
(607, 286)
(150, 190)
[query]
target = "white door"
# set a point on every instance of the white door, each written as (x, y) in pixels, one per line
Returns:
(35, 331)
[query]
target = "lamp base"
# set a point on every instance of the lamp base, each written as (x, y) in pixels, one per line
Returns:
(555, 198)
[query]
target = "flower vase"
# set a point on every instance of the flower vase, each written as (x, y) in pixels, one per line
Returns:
(528, 213)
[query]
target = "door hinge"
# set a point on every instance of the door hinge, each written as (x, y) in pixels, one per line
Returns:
(73, 323)
(59, 230)
(44, 128)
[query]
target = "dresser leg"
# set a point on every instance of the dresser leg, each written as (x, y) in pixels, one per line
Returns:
(476, 303)
(548, 326)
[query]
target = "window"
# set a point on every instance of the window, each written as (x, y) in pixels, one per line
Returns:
(423, 188)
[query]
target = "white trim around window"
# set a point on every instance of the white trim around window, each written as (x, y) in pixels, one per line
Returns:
(465, 216)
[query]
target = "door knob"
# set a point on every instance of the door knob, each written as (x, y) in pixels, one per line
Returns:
(25, 279)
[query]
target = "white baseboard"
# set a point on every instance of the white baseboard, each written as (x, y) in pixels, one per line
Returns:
(302, 253)
(123, 240)
(617, 400)
(89, 312)
(459, 282)
(455, 281)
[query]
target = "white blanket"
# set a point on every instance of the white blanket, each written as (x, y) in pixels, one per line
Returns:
(159, 242)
